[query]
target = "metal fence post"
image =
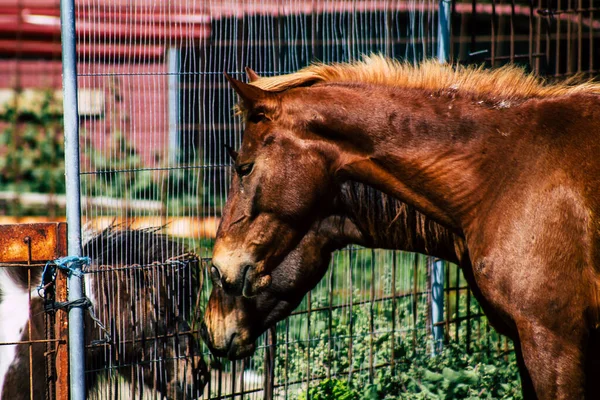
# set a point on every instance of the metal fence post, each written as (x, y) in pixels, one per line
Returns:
(437, 303)
(71, 126)
(444, 30)
(173, 83)
(437, 266)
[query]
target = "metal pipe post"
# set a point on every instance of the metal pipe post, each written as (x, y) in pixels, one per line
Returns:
(173, 83)
(71, 125)
(437, 266)
(437, 303)
(444, 30)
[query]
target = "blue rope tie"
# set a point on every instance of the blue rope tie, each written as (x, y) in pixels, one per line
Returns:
(74, 265)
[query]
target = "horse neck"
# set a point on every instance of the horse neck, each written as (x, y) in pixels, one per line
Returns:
(436, 152)
(388, 223)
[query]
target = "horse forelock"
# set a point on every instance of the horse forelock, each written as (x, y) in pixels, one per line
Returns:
(503, 84)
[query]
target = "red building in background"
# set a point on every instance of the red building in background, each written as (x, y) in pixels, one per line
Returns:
(115, 41)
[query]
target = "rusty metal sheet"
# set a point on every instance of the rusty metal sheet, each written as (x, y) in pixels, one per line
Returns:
(61, 327)
(45, 239)
(62, 348)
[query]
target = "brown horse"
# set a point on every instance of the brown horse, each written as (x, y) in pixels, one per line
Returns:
(498, 157)
(361, 216)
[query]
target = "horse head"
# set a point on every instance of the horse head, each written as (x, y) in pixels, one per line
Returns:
(285, 185)
(145, 298)
(233, 323)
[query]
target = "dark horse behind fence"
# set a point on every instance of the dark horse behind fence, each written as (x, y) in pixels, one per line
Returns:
(143, 288)
(502, 159)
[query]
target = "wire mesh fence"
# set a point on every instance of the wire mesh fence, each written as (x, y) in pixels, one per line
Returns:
(550, 37)
(158, 144)
(155, 113)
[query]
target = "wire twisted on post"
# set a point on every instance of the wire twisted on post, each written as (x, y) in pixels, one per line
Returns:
(74, 265)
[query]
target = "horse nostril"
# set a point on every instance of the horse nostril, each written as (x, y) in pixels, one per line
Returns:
(247, 268)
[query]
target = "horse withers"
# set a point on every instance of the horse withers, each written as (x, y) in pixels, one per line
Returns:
(501, 158)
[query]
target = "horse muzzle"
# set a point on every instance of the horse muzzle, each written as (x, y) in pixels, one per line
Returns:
(238, 279)
(228, 344)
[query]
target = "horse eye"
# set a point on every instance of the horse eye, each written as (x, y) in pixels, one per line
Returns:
(244, 169)
(257, 117)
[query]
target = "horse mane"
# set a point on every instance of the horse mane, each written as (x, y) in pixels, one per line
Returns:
(391, 222)
(503, 84)
(118, 245)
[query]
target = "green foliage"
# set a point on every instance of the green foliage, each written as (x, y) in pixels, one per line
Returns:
(331, 389)
(453, 373)
(114, 167)
(32, 159)
(33, 156)
(120, 173)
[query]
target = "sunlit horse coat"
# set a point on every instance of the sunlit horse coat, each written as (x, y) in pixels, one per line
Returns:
(499, 157)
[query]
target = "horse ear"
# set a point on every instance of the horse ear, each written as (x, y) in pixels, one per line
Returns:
(231, 152)
(249, 94)
(251, 75)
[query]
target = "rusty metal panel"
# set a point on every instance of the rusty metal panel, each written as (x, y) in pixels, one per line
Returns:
(45, 242)
(61, 331)
(61, 327)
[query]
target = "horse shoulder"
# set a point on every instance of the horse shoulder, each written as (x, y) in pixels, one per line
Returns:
(539, 246)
